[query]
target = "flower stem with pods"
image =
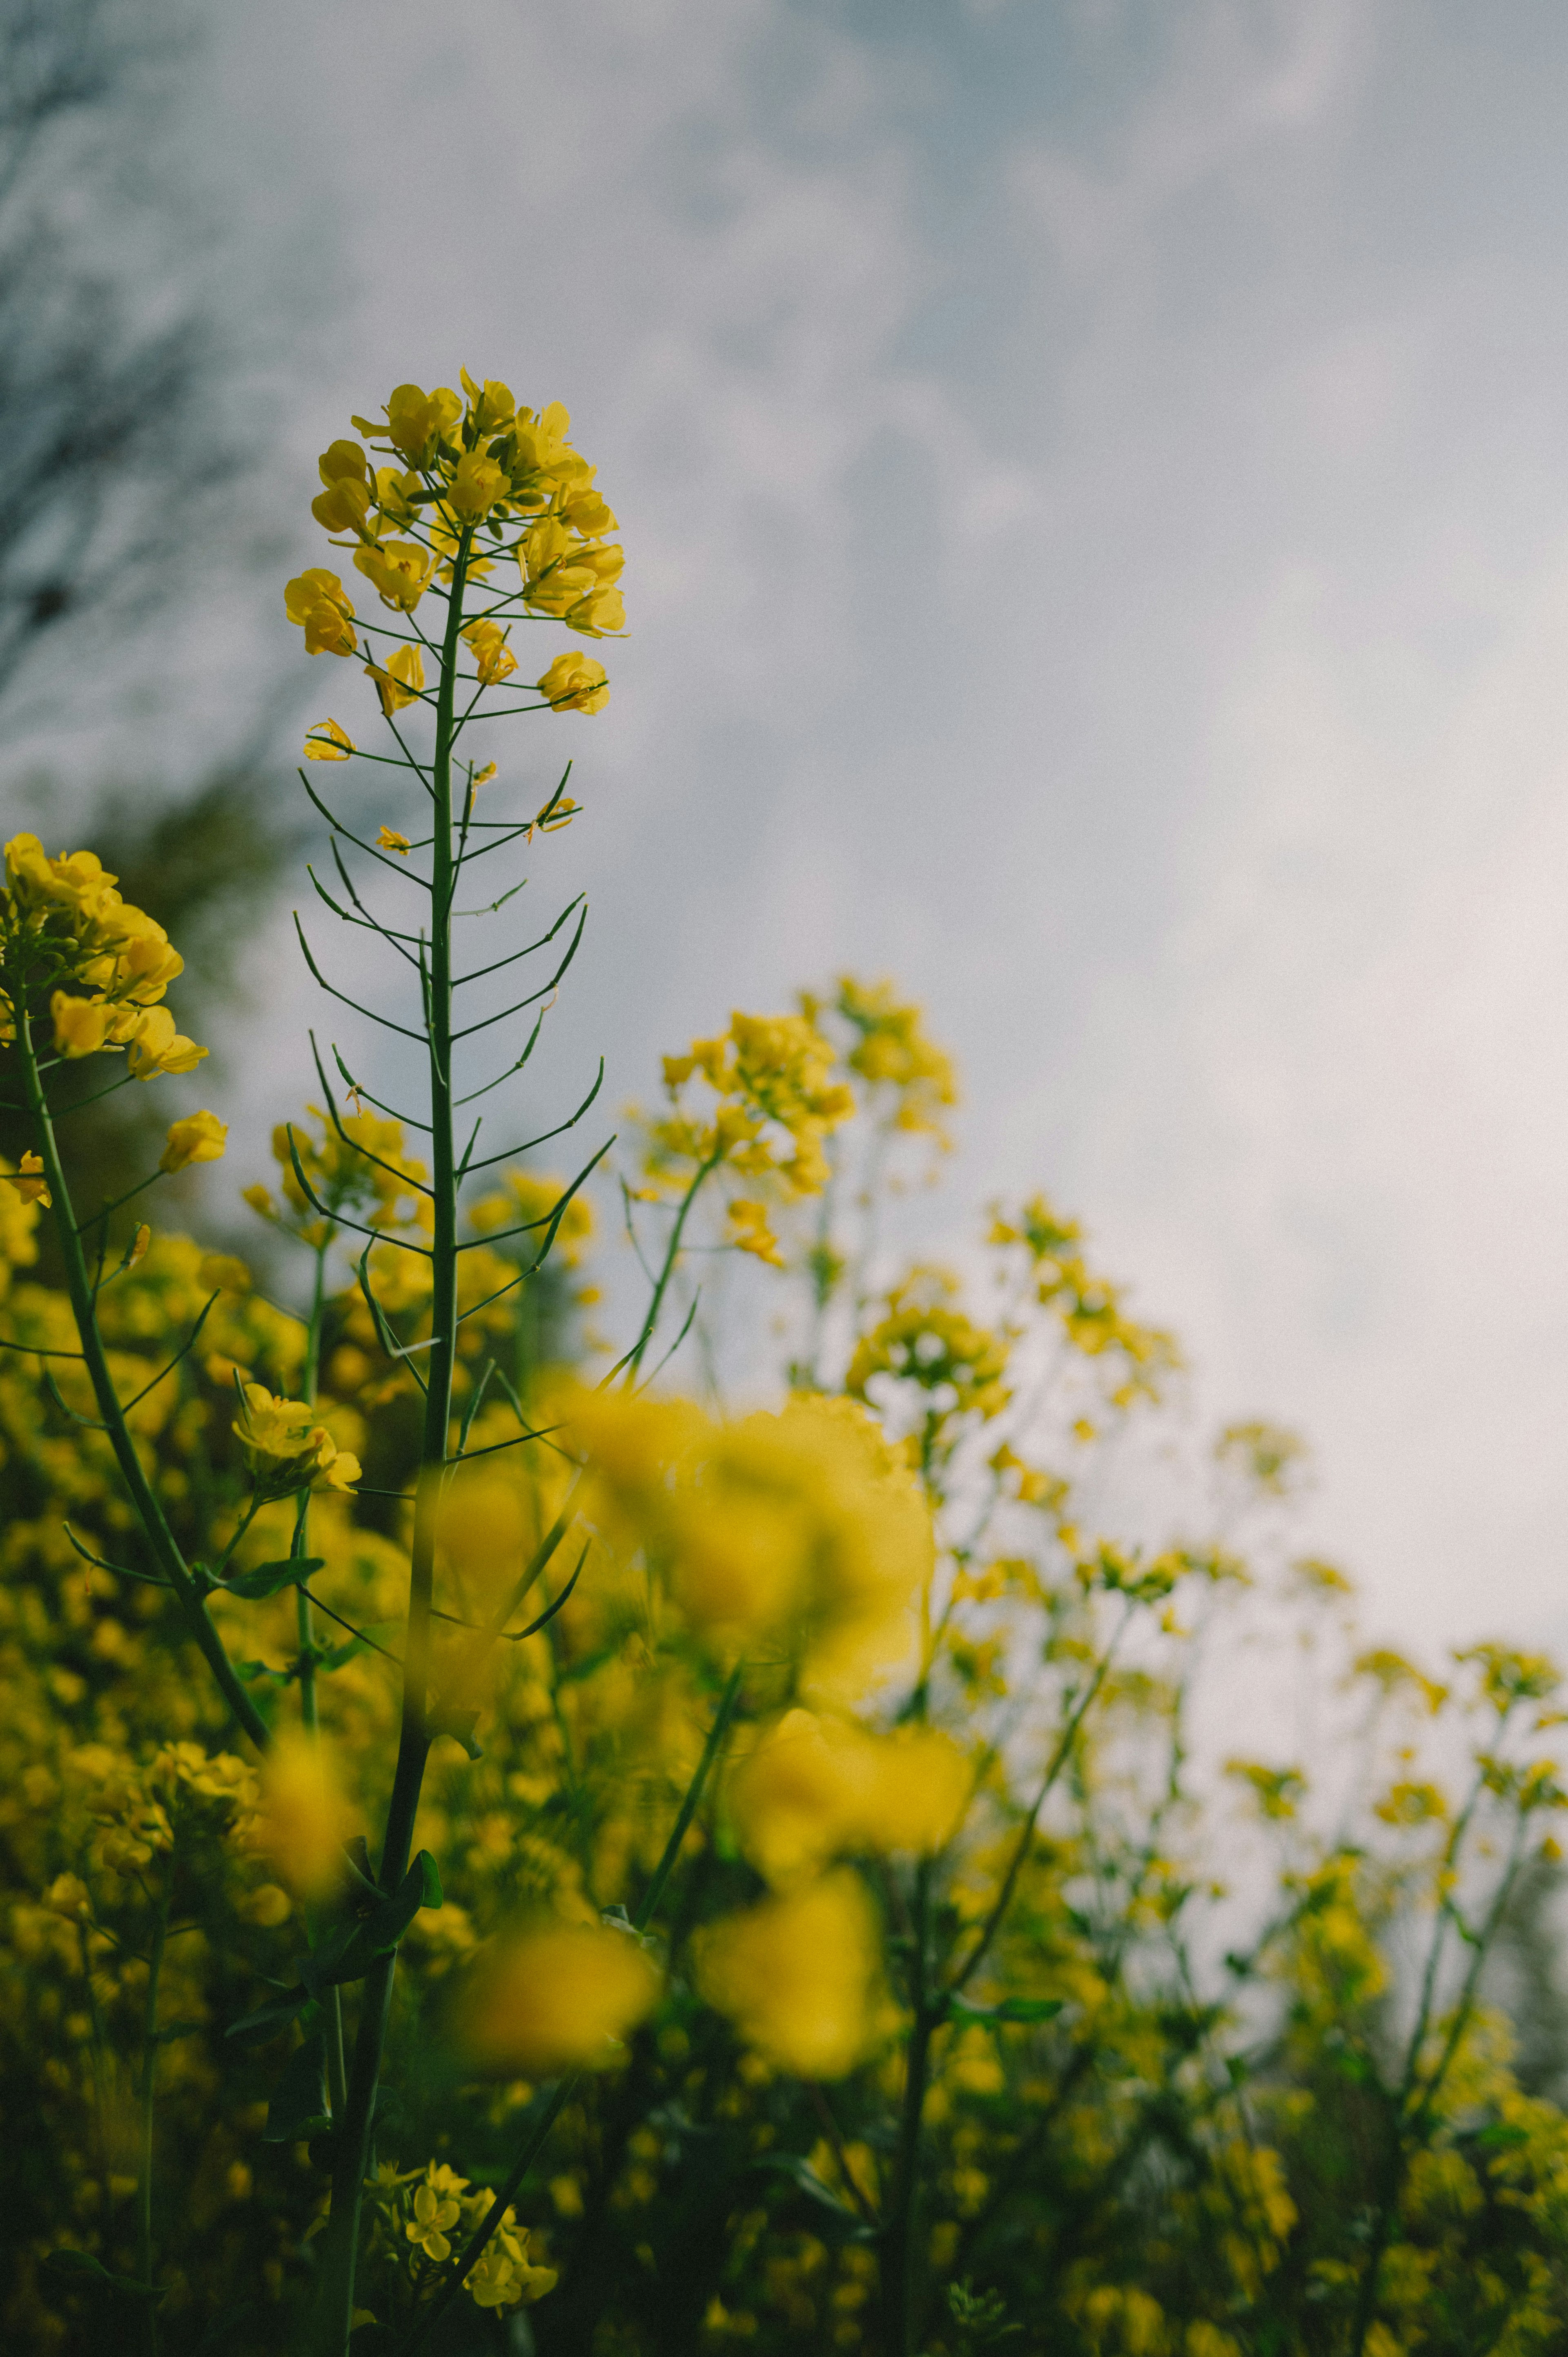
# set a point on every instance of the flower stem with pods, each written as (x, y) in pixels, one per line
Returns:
(352, 2138)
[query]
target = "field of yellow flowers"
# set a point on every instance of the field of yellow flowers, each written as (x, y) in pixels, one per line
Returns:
(502, 1852)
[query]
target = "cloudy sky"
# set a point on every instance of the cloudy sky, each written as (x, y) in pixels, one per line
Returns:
(1094, 476)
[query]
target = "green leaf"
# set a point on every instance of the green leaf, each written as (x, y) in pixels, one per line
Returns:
(298, 2107)
(93, 2271)
(1010, 2010)
(801, 2174)
(255, 2028)
(382, 1929)
(268, 1578)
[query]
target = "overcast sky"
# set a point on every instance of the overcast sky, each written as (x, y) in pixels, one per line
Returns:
(1095, 487)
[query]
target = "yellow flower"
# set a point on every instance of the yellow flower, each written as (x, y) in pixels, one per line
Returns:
(597, 614)
(490, 406)
(221, 1272)
(816, 1786)
(493, 659)
(575, 683)
(482, 776)
(588, 514)
(751, 1233)
(28, 1181)
(505, 2277)
(401, 682)
(433, 2214)
(343, 505)
(285, 1449)
(417, 422)
(199, 1137)
(477, 484)
(389, 839)
(795, 1975)
(139, 1242)
(156, 1047)
(328, 742)
(555, 1999)
(304, 1819)
(81, 1025)
(398, 570)
(316, 600)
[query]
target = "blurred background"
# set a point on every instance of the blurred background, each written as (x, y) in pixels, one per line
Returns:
(1094, 480)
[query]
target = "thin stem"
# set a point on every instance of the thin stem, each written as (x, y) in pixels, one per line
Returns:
(897, 2254)
(461, 2267)
(160, 1538)
(147, 2093)
(352, 2156)
(672, 1254)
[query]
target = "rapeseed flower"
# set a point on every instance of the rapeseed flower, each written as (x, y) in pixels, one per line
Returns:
(574, 683)
(199, 1137)
(285, 1449)
(556, 1998)
(316, 600)
(797, 1976)
(328, 742)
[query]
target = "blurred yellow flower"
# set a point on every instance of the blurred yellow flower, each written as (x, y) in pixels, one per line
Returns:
(555, 1999)
(389, 839)
(304, 1819)
(199, 1137)
(796, 1975)
(749, 1232)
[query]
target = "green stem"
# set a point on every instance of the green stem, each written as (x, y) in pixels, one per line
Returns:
(352, 2138)
(336, 2077)
(160, 1538)
(897, 2254)
(672, 1254)
(147, 2093)
(461, 2268)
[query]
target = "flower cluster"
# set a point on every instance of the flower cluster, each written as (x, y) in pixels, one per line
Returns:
(774, 1101)
(285, 1449)
(105, 965)
(421, 2212)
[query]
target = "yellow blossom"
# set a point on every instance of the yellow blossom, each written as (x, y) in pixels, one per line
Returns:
(574, 683)
(27, 1179)
(400, 681)
(328, 742)
(398, 570)
(304, 1819)
(433, 2214)
(389, 839)
(417, 422)
(156, 1047)
(555, 1999)
(490, 406)
(283, 1447)
(221, 1272)
(316, 600)
(345, 502)
(199, 1137)
(750, 1233)
(81, 1025)
(477, 484)
(796, 1975)
(493, 659)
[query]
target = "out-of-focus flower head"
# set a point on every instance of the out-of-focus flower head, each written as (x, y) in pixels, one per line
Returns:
(527, 1199)
(303, 1819)
(800, 1530)
(199, 1137)
(774, 1100)
(555, 1997)
(797, 1976)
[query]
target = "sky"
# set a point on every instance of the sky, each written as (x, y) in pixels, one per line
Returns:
(1094, 481)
